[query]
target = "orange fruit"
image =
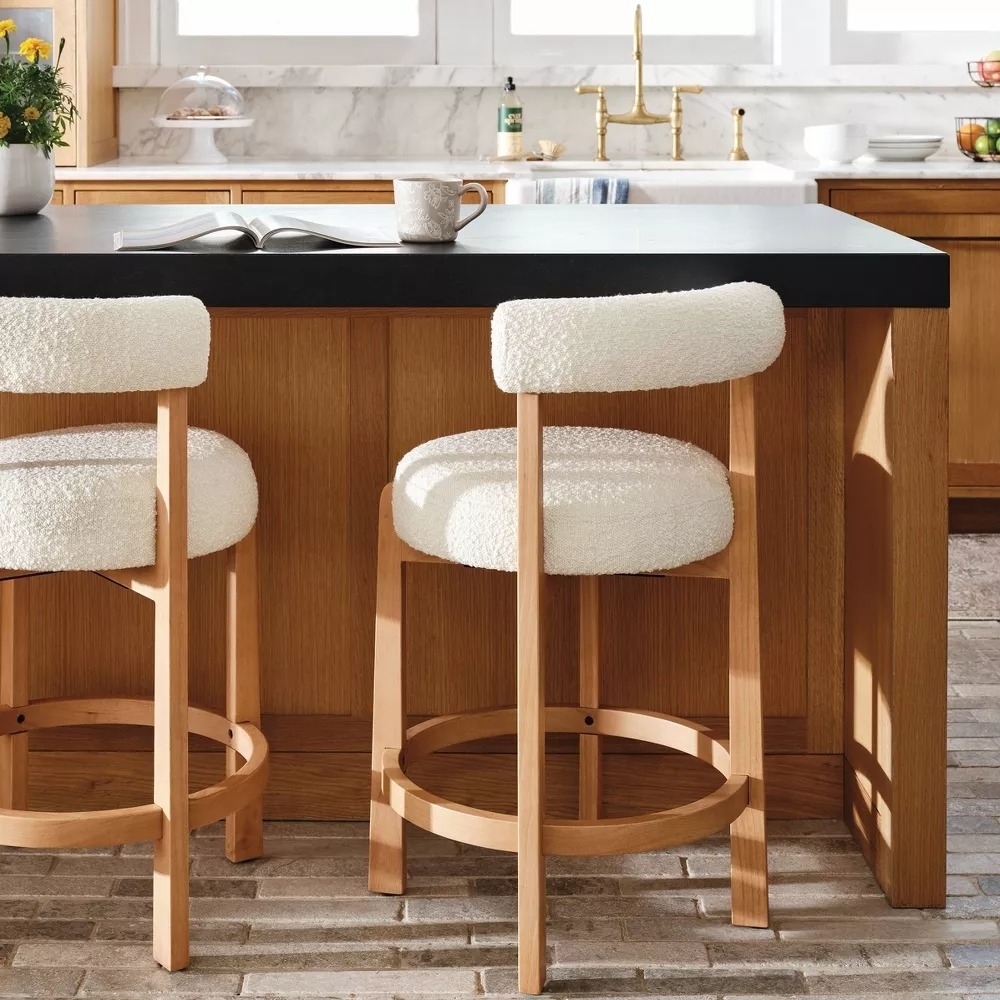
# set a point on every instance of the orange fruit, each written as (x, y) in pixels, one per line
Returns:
(968, 134)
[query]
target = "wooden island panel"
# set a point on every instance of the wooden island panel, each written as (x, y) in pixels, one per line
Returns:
(326, 402)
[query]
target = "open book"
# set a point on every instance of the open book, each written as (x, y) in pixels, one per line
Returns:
(262, 231)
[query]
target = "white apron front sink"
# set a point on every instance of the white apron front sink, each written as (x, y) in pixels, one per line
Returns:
(692, 182)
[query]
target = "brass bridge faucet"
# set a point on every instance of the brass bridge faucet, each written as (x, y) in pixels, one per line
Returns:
(639, 115)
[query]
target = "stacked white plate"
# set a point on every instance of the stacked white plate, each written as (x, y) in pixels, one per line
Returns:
(904, 148)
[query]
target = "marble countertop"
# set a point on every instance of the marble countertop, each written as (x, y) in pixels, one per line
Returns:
(948, 167)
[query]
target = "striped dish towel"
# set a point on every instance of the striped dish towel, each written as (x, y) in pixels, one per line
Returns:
(581, 191)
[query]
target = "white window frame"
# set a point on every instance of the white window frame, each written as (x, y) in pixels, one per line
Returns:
(471, 46)
(899, 47)
(180, 50)
(553, 50)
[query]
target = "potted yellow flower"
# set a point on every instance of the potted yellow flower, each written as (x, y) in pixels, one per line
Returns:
(36, 109)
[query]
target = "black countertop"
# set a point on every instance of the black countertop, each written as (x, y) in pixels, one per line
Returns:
(810, 254)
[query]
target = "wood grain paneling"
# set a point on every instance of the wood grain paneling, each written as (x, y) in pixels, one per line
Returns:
(96, 134)
(981, 197)
(150, 196)
(308, 196)
(973, 352)
(896, 597)
(341, 193)
(280, 386)
(824, 338)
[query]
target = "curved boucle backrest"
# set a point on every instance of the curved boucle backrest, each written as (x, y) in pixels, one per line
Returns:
(627, 342)
(103, 345)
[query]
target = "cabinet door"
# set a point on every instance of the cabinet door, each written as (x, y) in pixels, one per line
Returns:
(973, 349)
(966, 225)
(126, 196)
(974, 360)
(355, 196)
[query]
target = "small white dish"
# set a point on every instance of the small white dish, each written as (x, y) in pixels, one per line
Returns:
(905, 140)
(835, 145)
(904, 148)
(902, 156)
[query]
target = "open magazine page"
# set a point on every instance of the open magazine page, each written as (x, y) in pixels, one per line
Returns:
(270, 227)
(170, 235)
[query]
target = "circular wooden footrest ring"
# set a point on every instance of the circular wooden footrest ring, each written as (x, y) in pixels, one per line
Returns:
(103, 827)
(629, 834)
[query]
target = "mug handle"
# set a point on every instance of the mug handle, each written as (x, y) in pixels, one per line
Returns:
(484, 200)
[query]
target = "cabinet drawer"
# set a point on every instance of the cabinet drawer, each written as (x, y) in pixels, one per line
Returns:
(57, 197)
(931, 226)
(359, 196)
(149, 196)
(362, 194)
(974, 200)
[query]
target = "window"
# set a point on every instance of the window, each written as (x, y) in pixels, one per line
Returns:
(614, 17)
(912, 31)
(905, 15)
(296, 32)
(600, 31)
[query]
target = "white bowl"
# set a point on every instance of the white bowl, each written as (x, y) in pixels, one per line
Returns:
(834, 145)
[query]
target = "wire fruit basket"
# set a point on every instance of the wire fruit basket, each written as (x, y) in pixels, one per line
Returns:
(979, 138)
(984, 72)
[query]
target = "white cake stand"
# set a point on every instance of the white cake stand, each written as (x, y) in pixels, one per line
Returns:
(201, 147)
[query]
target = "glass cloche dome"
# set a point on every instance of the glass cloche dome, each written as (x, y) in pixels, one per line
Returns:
(199, 97)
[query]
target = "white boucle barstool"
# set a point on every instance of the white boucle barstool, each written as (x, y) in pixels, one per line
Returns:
(584, 502)
(131, 503)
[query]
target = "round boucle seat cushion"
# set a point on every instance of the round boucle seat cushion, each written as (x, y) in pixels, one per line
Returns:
(85, 498)
(615, 501)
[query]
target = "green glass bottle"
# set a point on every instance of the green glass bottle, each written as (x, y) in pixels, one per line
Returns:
(509, 121)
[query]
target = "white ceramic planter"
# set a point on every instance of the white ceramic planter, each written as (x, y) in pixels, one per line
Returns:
(27, 179)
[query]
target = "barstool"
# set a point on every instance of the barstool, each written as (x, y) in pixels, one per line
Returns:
(131, 503)
(587, 503)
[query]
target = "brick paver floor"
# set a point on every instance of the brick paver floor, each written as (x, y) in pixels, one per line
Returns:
(300, 923)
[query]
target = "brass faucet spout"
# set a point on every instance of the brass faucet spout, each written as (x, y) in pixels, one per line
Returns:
(640, 114)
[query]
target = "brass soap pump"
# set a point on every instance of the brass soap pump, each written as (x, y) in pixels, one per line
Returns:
(738, 152)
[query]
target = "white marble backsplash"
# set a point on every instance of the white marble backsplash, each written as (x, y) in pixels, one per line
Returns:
(345, 123)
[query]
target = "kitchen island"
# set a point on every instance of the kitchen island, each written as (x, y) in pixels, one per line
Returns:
(328, 367)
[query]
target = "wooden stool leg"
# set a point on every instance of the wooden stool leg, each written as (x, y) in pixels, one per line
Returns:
(13, 692)
(387, 832)
(170, 712)
(590, 693)
(245, 827)
(530, 702)
(746, 722)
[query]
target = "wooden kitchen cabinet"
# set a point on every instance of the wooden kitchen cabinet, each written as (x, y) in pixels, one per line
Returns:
(341, 193)
(117, 196)
(89, 27)
(312, 196)
(962, 219)
(374, 192)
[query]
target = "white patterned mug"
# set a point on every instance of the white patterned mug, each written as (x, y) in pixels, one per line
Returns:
(427, 208)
